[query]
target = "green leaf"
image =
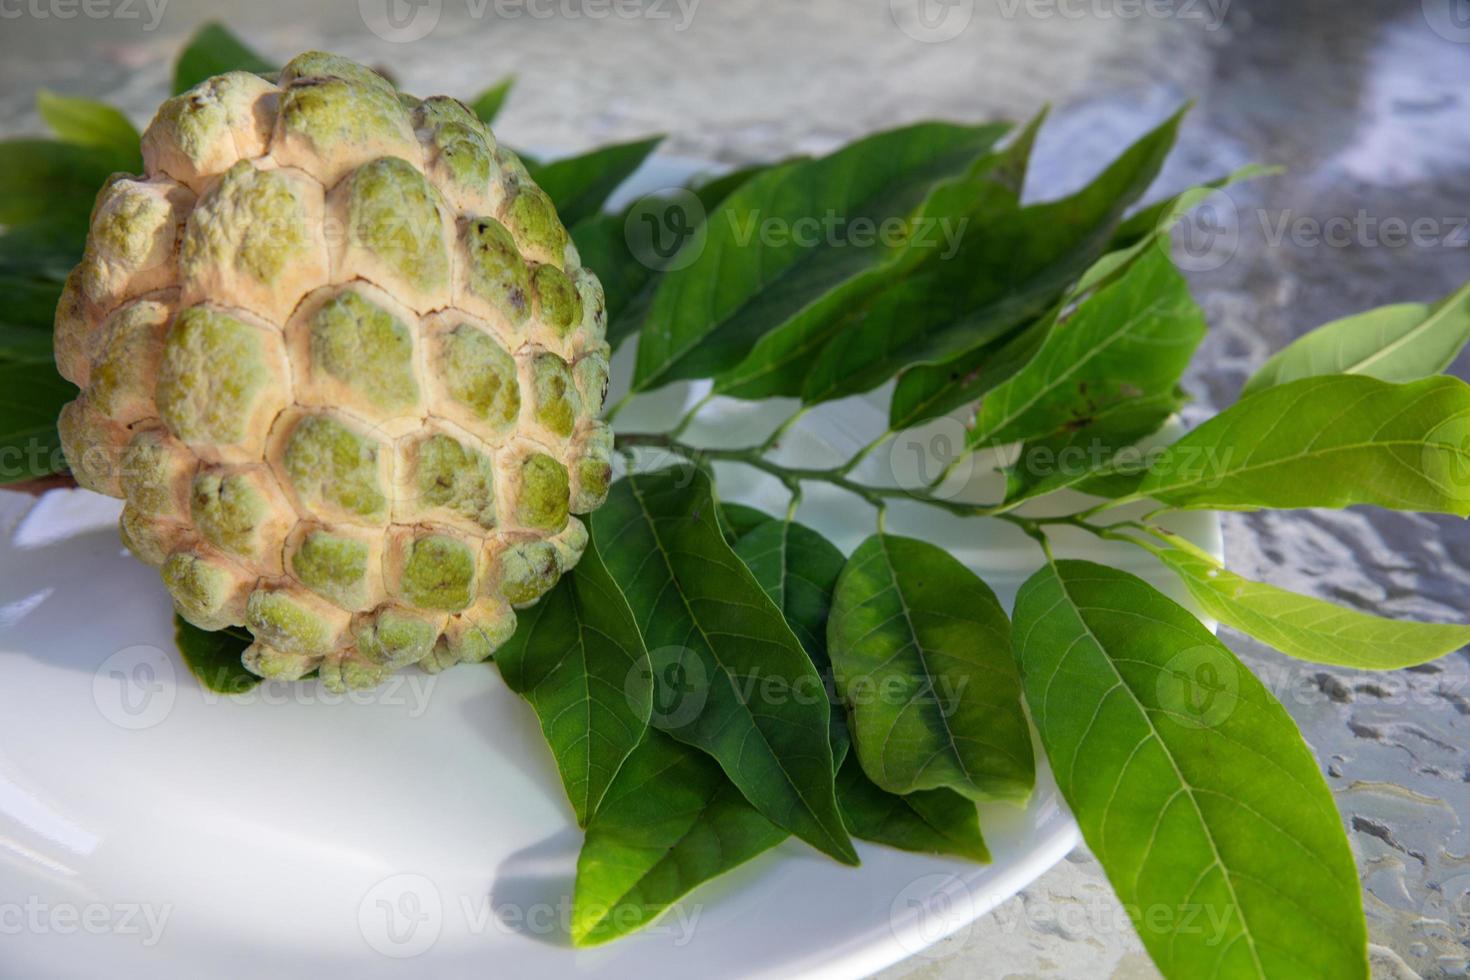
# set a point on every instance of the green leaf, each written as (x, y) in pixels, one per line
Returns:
(487, 104)
(1093, 458)
(1130, 342)
(47, 181)
(31, 396)
(1190, 782)
(578, 658)
(921, 651)
(729, 676)
(670, 821)
(781, 360)
(28, 344)
(46, 249)
(1009, 270)
(89, 123)
(738, 520)
(798, 568)
(213, 657)
(930, 821)
(1332, 441)
(1405, 342)
(707, 316)
(628, 281)
(29, 302)
(1304, 627)
(580, 185)
(213, 50)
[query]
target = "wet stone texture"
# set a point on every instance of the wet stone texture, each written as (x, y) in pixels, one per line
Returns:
(1366, 104)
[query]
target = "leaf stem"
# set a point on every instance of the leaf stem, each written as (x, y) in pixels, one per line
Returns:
(793, 477)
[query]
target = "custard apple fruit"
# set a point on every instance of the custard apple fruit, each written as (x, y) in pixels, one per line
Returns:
(338, 355)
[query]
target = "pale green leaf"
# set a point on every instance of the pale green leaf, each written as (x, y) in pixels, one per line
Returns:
(1305, 627)
(1331, 441)
(1190, 782)
(1404, 342)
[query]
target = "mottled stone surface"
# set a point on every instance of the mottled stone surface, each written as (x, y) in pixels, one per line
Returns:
(1365, 103)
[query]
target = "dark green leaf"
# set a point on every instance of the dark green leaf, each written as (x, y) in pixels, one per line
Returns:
(47, 249)
(1190, 782)
(1304, 627)
(31, 345)
(738, 520)
(1331, 441)
(930, 821)
(90, 123)
(1093, 458)
(670, 821)
(1129, 342)
(798, 568)
(50, 181)
(487, 104)
(707, 316)
(214, 656)
(29, 302)
(578, 658)
(31, 396)
(628, 281)
(921, 651)
(213, 50)
(1009, 270)
(580, 185)
(729, 676)
(1405, 342)
(781, 360)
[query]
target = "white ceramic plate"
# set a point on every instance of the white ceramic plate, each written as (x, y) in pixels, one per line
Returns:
(150, 828)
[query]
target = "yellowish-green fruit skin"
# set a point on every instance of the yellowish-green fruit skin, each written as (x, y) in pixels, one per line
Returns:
(340, 359)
